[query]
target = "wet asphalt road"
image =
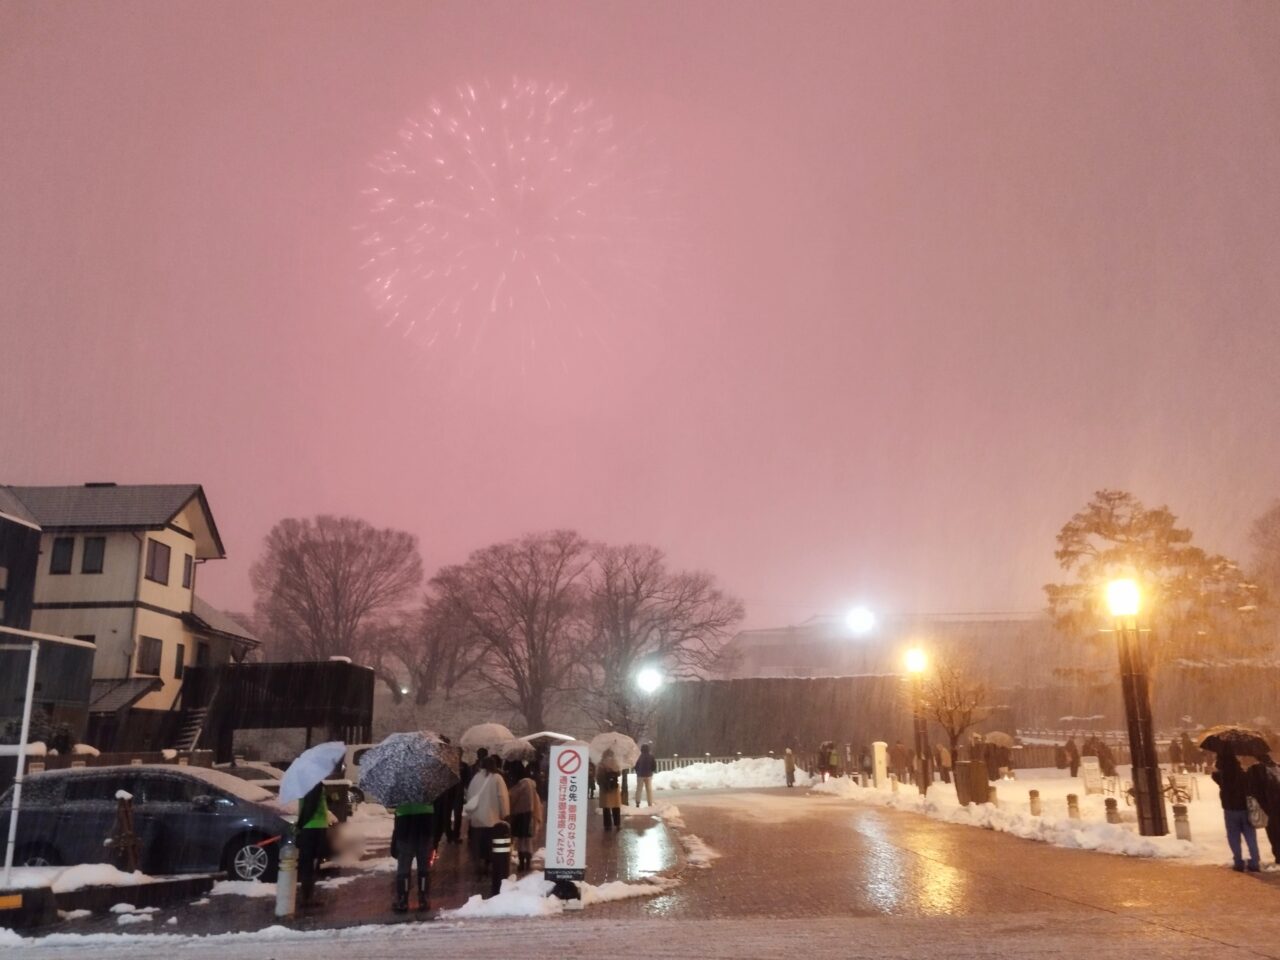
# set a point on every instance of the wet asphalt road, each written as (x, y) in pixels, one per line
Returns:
(823, 877)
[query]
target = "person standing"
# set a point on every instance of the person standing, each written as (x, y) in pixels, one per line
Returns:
(488, 804)
(1191, 754)
(1175, 755)
(526, 814)
(942, 757)
(789, 767)
(313, 831)
(1264, 786)
(413, 839)
(608, 781)
(899, 761)
(1073, 756)
(1233, 790)
(646, 767)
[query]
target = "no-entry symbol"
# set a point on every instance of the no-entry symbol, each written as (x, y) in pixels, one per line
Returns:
(566, 857)
(569, 762)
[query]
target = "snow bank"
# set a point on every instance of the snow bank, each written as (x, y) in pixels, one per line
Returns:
(65, 879)
(748, 773)
(243, 888)
(697, 852)
(1012, 814)
(37, 749)
(84, 750)
(529, 897)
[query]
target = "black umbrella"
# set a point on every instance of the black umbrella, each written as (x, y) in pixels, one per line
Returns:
(408, 768)
(1241, 741)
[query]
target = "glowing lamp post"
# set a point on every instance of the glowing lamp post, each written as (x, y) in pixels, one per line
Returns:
(917, 661)
(1124, 601)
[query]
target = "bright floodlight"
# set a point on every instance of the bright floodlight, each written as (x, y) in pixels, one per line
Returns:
(916, 660)
(404, 691)
(860, 620)
(648, 680)
(1124, 598)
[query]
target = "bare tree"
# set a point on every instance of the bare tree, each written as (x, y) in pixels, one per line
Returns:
(642, 614)
(1198, 604)
(523, 601)
(329, 586)
(431, 649)
(1264, 537)
(953, 696)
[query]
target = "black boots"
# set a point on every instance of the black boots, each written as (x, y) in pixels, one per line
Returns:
(401, 902)
(608, 821)
(524, 862)
(423, 886)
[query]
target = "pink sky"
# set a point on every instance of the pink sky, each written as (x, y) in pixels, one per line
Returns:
(918, 281)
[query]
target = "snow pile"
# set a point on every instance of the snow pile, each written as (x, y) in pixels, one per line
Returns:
(529, 897)
(38, 749)
(74, 914)
(1012, 814)
(697, 853)
(84, 750)
(123, 795)
(66, 879)
(169, 753)
(130, 908)
(243, 888)
(748, 773)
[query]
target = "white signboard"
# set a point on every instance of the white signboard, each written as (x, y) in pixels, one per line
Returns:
(567, 813)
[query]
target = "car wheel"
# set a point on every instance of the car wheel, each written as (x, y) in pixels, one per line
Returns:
(37, 857)
(246, 860)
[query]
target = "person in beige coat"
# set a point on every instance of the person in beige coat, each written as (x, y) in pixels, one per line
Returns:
(609, 782)
(526, 817)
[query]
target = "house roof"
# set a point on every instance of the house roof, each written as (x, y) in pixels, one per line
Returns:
(112, 696)
(14, 509)
(207, 617)
(113, 506)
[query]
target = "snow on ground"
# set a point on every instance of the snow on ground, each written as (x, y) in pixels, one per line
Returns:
(528, 897)
(697, 852)
(748, 773)
(243, 888)
(368, 828)
(130, 908)
(66, 879)
(1012, 814)
(74, 914)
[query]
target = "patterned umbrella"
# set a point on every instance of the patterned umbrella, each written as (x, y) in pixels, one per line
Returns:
(625, 751)
(1241, 741)
(491, 736)
(409, 768)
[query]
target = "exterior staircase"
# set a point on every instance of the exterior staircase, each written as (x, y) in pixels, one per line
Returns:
(192, 727)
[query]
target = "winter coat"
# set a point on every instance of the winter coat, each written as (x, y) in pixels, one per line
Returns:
(609, 783)
(944, 757)
(488, 802)
(646, 765)
(1263, 784)
(899, 758)
(1175, 752)
(524, 798)
(1233, 787)
(789, 762)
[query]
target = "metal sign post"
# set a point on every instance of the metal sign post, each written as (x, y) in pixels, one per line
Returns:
(21, 754)
(567, 818)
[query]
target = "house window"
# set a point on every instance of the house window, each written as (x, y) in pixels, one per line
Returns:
(158, 561)
(188, 570)
(179, 661)
(149, 651)
(95, 550)
(202, 654)
(60, 561)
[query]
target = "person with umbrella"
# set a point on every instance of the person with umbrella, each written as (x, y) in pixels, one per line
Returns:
(488, 804)
(304, 782)
(413, 838)
(1264, 787)
(609, 780)
(1229, 743)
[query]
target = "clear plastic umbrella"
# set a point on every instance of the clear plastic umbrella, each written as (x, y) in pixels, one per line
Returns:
(312, 766)
(409, 768)
(518, 749)
(625, 751)
(490, 736)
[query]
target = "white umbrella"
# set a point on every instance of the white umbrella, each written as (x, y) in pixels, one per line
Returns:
(312, 766)
(517, 750)
(625, 750)
(490, 736)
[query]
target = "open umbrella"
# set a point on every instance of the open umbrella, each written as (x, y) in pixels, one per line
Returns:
(519, 749)
(490, 736)
(312, 766)
(625, 751)
(409, 768)
(999, 738)
(1241, 741)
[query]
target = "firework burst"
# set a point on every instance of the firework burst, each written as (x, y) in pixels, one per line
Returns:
(521, 208)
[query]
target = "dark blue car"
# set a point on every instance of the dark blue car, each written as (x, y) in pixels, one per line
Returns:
(187, 820)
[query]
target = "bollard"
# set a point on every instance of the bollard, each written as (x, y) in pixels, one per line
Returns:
(500, 854)
(287, 879)
(1181, 825)
(1113, 811)
(893, 783)
(1073, 806)
(1035, 803)
(992, 797)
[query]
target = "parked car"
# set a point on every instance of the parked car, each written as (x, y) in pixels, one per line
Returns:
(187, 819)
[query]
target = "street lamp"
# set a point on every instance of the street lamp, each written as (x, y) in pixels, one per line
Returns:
(1124, 601)
(648, 680)
(860, 621)
(917, 661)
